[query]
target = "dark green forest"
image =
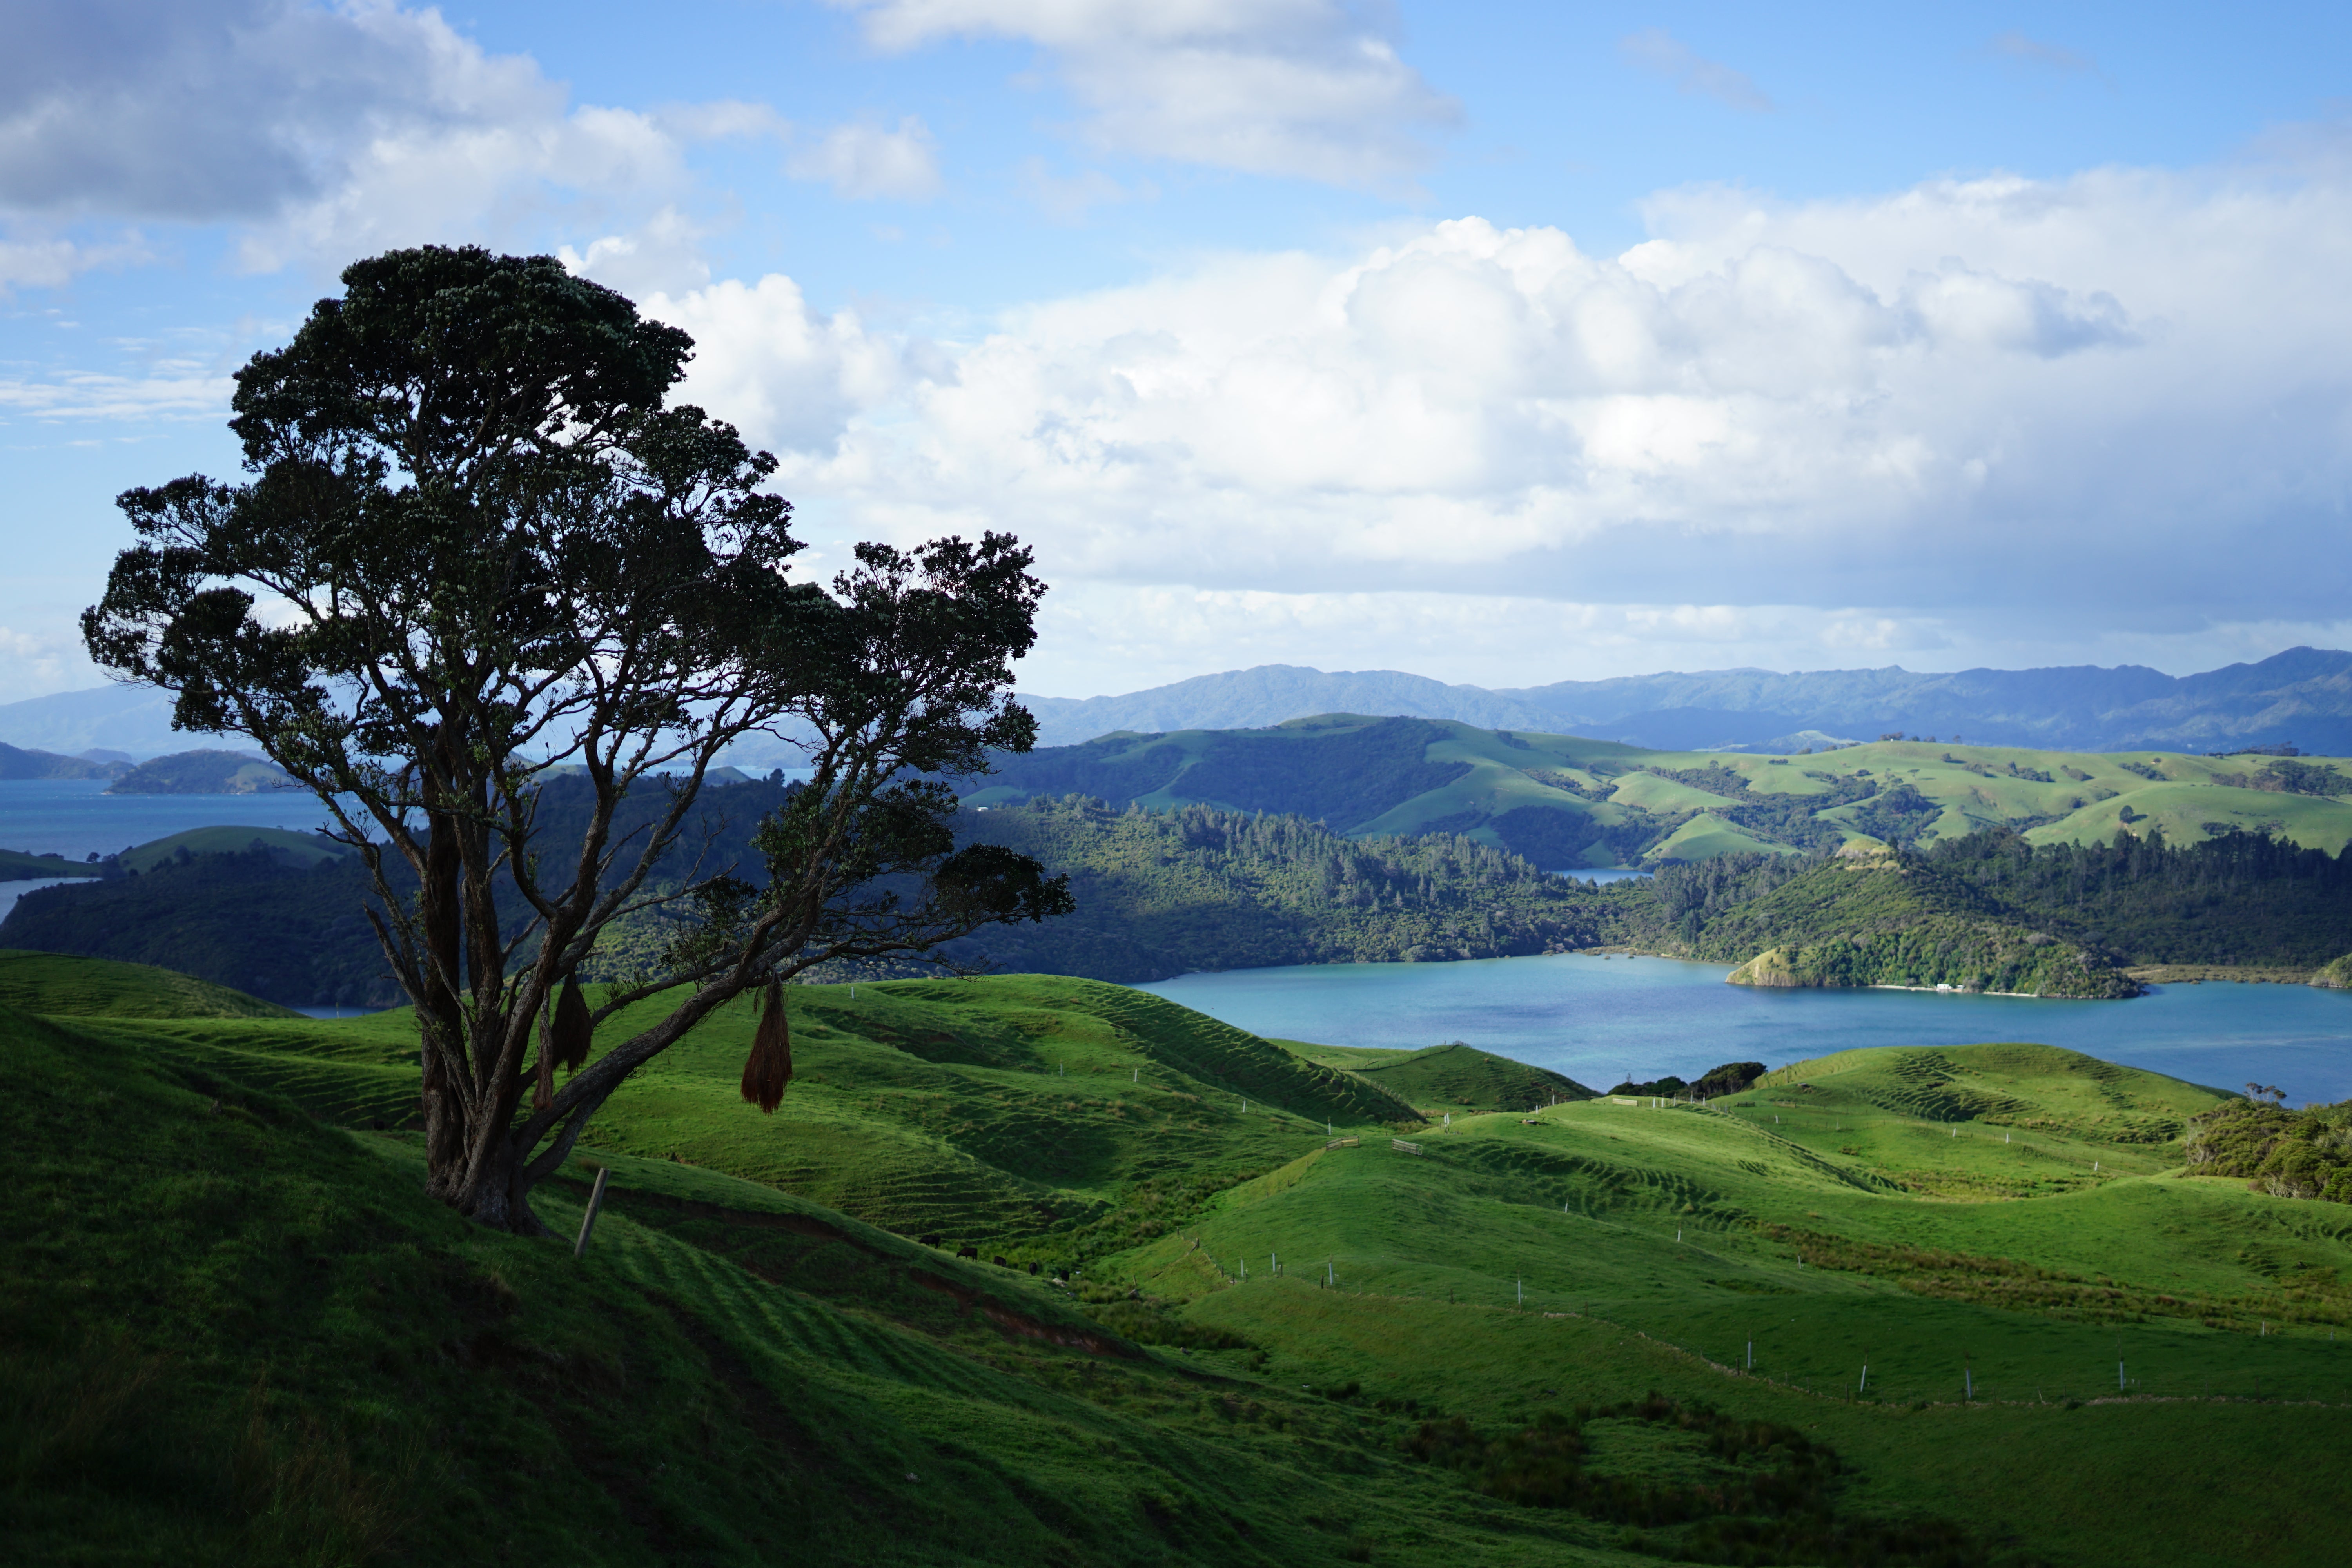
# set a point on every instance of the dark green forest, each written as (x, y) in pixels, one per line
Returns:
(2244, 899)
(1165, 893)
(2236, 897)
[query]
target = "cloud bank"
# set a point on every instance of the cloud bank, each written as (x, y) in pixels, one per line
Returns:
(321, 132)
(2115, 406)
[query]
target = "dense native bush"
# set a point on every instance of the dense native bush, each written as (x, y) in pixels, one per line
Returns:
(2288, 1153)
(2236, 897)
(1161, 894)
(1770, 1496)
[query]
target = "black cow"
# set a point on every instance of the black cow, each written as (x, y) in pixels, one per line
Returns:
(969, 1251)
(1000, 1262)
(931, 1240)
(1032, 1268)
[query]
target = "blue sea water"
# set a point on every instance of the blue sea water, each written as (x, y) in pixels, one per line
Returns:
(77, 818)
(1604, 1021)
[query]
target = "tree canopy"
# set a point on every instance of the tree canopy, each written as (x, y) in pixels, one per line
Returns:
(477, 544)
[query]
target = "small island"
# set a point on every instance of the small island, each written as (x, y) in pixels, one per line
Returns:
(203, 773)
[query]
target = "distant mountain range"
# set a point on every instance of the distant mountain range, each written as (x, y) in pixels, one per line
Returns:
(131, 723)
(2302, 696)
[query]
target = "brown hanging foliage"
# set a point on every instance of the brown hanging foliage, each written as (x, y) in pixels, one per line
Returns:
(572, 1027)
(769, 1066)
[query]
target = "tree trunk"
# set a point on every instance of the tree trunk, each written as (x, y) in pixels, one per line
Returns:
(441, 1021)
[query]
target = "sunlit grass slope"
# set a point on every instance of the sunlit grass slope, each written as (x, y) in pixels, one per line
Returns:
(2056, 797)
(2007, 1222)
(94, 987)
(233, 1333)
(1444, 1078)
(1857, 1221)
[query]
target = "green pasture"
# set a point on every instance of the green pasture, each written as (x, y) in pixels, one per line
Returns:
(233, 1333)
(2054, 797)
(1439, 1080)
(1257, 1312)
(304, 850)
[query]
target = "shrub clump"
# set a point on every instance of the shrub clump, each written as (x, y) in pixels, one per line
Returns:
(2287, 1153)
(1770, 1497)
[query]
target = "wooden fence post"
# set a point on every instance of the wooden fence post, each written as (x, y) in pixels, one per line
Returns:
(588, 1220)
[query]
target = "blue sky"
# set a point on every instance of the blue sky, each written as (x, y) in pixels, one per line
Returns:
(1500, 342)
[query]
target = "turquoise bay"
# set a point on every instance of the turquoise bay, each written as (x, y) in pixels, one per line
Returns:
(1603, 1020)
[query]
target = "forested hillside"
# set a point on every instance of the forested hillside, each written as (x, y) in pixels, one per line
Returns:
(262, 918)
(1877, 918)
(1164, 893)
(2241, 899)
(1161, 894)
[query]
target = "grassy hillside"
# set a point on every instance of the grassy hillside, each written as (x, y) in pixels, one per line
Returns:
(234, 1334)
(291, 850)
(1565, 802)
(97, 988)
(1441, 1080)
(1272, 1351)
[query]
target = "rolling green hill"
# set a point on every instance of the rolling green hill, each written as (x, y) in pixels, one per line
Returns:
(1441, 1079)
(98, 988)
(294, 851)
(1565, 802)
(1604, 1333)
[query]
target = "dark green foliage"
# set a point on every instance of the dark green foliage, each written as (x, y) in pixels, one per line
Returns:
(243, 920)
(1728, 1079)
(1669, 1085)
(1770, 1497)
(2287, 1153)
(2236, 897)
(1563, 840)
(1164, 893)
(2300, 778)
(1883, 919)
(1898, 815)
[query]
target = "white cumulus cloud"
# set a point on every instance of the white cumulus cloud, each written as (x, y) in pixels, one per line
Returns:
(321, 131)
(2115, 406)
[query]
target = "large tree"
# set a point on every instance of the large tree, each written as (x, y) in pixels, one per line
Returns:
(475, 544)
